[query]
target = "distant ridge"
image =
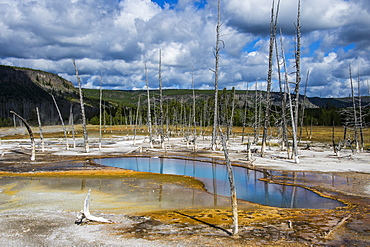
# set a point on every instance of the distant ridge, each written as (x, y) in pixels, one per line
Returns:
(23, 89)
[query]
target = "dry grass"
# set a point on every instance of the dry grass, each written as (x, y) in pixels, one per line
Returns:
(321, 134)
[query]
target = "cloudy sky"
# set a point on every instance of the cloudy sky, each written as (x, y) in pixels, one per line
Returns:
(114, 38)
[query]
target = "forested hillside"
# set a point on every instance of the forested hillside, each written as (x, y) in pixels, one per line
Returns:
(22, 90)
(178, 105)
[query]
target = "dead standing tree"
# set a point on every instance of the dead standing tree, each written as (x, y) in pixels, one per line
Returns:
(86, 141)
(303, 108)
(294, 109)
(336, 147)
(100, 111)
(33, 145)
(215, 71)
(194, 115)
(273, 24)
(161, 114)
(360, 116)
(357, 147)
(40, 128)
(61, 120)
(149, 113)
(297, 83)
(257, 115)
(71, 125)
(283, 95)
(136, 120)
(231, 118)
(234, 203)
(245, 112)
(287, 90)
(353, 119)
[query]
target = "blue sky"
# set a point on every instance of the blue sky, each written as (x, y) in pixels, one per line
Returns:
(115, 39)
(199, 4)
(171, 3)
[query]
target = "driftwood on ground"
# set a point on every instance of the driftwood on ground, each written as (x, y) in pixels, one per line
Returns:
(340, 223)
(85, 216)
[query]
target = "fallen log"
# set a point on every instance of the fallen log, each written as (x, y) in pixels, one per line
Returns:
(140, 149)
(340, 223)
(33, 145)
(85, 216)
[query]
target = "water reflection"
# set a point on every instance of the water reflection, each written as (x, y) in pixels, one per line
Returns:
(111, 195)
(214, 177)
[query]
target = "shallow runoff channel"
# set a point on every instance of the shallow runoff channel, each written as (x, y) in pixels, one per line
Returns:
(215, 179)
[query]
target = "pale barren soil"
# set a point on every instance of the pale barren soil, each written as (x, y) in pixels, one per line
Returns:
(39, 199)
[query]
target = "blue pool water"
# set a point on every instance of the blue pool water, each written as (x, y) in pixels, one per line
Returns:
(215, 179)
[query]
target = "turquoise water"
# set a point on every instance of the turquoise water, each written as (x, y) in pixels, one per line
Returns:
(215, 179)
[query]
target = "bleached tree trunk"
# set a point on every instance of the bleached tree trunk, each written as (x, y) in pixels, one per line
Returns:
(234, 203)
(287, 89)
(86, 141)
(273, 23)
(33, 145)
(294, 129)
(245, 112)
(149, 113)
(354, 111)
(136, 119)
(311, 129)
(168, 127)
(182, 117)
(217, 57)
(298, 81)
(175, 121)
(249, 151)
(360, 124)
(155, 117)
(40, 128)
(71, 122)
(194, 117)
(61, 120)
(231, 122)
(205, 118)
(100, 111)
(161, 114)
(303, 108)
(284, 127)
(223, 109)
(259, 115)
(186, 126)
(256, 116)
(111, 120)
(104, 118)
(335, 146)
(14, 122)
